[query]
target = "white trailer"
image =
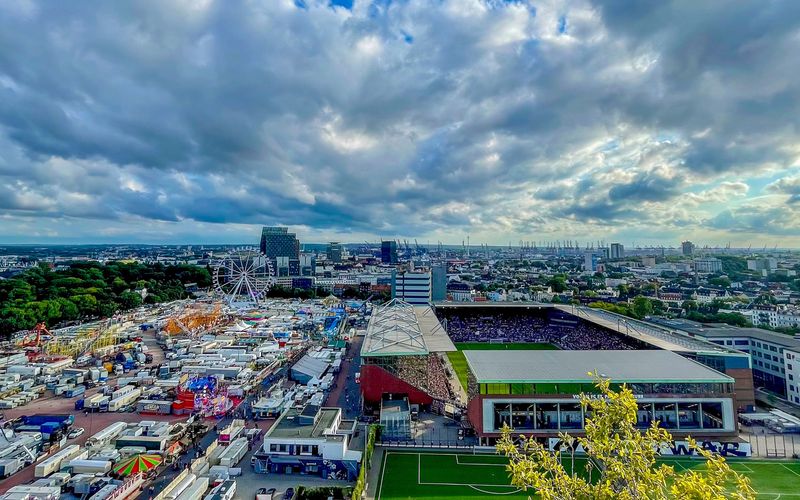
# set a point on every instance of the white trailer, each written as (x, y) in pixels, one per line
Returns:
(104, 436)
(196, 490)
(234, 453)
(83, 466)
(176, 490)
(124, 400)
(54, 462)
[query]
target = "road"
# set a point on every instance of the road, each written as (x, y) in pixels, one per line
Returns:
(347, 393)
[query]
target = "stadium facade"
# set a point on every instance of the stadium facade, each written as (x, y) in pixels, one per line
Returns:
(690, 385)
(538, 392)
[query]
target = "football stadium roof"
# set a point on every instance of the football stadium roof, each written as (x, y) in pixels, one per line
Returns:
(651, 366)
(651, 333)
(401, 329)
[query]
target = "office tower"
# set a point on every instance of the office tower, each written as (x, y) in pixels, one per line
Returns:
(687, 247)
(590, 262)
(439, 282)
(279, 242)
(617, 251)
(282, 248)
(334, 252)
(389, 252)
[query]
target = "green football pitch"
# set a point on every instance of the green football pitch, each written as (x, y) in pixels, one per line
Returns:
(459, 362)
(437, 476)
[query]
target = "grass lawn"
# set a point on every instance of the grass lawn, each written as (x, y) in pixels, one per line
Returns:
(437, 476)
(459, 362)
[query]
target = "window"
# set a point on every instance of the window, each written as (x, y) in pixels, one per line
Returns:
(741, 342)
(523, 416)
(689, 415)
(644, 415)
(502, 415)
(570, 414)
(712, 415)
(773, 348)
(791, 377)
(666, 414)
(546, 416)
(789, 366)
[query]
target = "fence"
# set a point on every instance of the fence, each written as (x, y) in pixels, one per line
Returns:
(366, 461)
(774, 445)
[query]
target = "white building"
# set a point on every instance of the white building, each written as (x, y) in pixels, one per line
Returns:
(774, 316)
(414, 288)
(708, 265)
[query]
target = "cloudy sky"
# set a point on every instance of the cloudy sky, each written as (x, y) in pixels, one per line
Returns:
(198, 121)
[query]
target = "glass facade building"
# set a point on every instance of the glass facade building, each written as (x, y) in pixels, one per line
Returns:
(279, 242)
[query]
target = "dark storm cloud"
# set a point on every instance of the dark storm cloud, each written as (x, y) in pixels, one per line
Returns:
(399, 117)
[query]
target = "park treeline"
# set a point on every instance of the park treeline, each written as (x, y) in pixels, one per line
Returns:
(87, 290)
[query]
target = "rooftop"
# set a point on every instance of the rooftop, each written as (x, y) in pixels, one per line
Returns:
(651, 366)
(401, 329)
(715, 330)
(291, 425)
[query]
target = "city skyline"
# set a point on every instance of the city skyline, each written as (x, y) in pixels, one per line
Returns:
(201, 122)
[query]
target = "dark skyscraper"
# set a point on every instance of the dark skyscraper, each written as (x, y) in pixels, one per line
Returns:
(279, 242)
(334, 252)
(389, 252)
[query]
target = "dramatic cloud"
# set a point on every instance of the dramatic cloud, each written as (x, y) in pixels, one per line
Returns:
(198, 121)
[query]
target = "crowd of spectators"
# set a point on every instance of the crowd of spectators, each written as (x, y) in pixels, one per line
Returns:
(570, 335)
(426, 373)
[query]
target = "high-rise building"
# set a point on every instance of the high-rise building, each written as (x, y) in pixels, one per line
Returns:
(279, 242)
(308, 264)
(334, 252)
(282, 248)
(617, 251)
(439, 282)
(590, 262)
(687, 247)
(389, 252)
(414, 288)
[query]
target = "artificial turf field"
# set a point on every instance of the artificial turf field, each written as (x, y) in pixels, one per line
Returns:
(459, 362)
(437, 476)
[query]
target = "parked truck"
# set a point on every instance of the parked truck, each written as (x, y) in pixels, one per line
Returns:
(75, 391)
(231, 432)
(9, 466)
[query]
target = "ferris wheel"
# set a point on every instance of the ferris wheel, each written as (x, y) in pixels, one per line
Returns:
(244, 276)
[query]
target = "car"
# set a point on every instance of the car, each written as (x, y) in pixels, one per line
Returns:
(289, 494)
(265, 494)
(74, 433)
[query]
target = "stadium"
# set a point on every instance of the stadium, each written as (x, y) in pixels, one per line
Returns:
(525, 365)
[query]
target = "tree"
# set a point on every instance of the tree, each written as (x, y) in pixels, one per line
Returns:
(130, 300)
(642, 307)
(622, 456)
(557, 283)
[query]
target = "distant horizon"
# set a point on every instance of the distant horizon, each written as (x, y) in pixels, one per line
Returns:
(432, 246)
